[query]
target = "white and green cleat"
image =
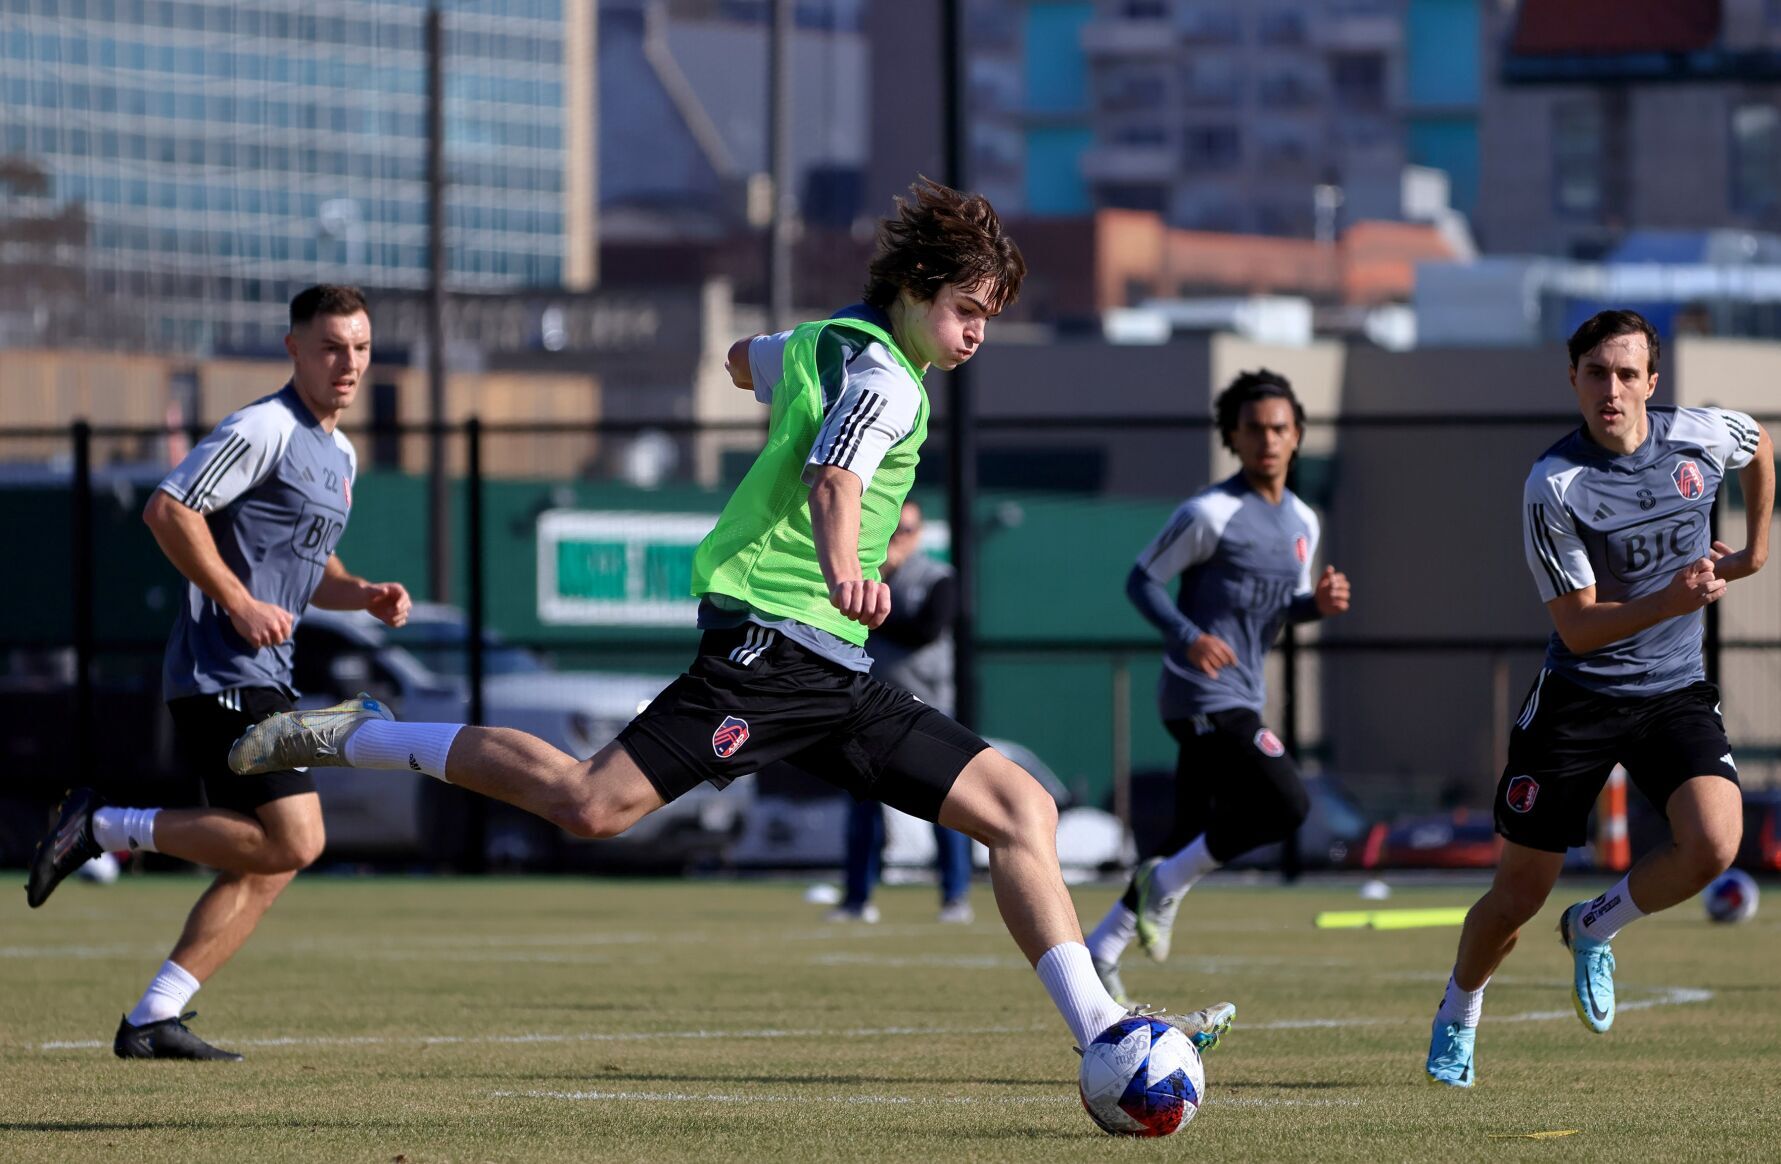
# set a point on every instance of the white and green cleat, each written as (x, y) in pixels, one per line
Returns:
(1203, 1028)
(1108, 973)
(304, 739)
(1155, 910)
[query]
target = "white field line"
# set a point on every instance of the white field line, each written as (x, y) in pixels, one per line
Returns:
(1665, 996)
(1212, 964)
(595, 1037)
(923, 1101)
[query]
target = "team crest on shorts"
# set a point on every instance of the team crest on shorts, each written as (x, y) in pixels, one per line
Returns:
(1689, 481)
(1268, 744)
(730, 735)
(1521, 793)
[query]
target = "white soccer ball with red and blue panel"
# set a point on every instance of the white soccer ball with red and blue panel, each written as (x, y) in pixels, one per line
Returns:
(1141, 1077)
(1731, 897)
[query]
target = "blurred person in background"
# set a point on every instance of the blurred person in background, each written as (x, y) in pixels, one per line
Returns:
(1617, 525)
(789, 586)
(911, 649)
(250, 517)
(1243, 550)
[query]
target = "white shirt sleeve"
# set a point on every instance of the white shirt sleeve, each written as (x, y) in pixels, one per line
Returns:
(344, 443)
(238, 454)
(1191, 537)
(876, 409)
(1313, 535)
(766, 363)
(1729, 437)
(1555, 552)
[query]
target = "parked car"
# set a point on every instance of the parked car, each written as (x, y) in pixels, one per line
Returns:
(795, 820)
(419, 671)
(1334, 835)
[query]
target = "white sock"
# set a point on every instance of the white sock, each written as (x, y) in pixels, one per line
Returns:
(1610, 913)
(1109, 940)
(166, 996)
(117, 829)
(419, 747)
(1069, 977)
(1461, 1006)
(1186, 867)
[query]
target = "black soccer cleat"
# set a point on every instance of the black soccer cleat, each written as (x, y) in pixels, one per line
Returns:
(65, 848)
(166, 1039)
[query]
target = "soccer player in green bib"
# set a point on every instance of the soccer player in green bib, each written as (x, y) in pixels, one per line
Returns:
(789, 587)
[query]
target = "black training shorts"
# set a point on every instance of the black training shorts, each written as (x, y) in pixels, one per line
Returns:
(1567, 739)
(754, 696)
(204, 728)
(1234, 782)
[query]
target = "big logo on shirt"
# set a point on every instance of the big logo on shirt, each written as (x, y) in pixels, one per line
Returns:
(1654, 547)
(317, 532)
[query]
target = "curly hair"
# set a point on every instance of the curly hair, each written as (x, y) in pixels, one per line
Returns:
(1606, 325)
(1247, 388)
(940, 236)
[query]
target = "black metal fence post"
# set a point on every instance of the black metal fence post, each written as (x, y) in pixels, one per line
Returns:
(478, 612)
(1714, 644)
(1291, 860)
(82, 566)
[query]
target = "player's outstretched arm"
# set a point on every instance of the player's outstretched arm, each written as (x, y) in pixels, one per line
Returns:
(388, 602)
(835, 525)
(1587, 625)
(1757, 480)
(185, 538)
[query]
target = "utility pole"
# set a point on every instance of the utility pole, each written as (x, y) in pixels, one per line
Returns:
(438, 493)
(961, 438)
(779, 148)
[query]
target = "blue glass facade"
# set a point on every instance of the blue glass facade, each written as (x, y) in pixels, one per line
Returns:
(226, 151)
(1055, 73)
(1444, 87)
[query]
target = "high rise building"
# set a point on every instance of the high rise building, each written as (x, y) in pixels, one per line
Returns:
(214, 155)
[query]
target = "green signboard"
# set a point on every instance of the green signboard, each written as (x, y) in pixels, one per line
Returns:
(618, 568)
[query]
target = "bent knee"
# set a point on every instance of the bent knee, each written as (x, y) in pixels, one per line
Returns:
(592, 820)
(1707, 857)
(1019, 808)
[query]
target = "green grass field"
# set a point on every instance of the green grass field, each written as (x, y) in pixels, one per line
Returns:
(567, 1019)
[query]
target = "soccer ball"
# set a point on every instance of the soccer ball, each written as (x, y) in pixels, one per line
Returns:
(1731, 897)
(1142, 1077)
(101, 870)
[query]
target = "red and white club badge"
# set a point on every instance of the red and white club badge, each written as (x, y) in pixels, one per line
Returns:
(1301, 547)
(730, 735)
(1268, 744)
(1521, 793)
(1689, 481)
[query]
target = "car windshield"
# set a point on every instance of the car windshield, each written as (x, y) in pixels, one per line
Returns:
(440, 645)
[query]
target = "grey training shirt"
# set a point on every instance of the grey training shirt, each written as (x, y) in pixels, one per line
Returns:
(1625, 525)
(275, 488)
(1243, 563)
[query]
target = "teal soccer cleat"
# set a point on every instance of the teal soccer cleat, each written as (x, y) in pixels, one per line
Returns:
(1592, 979)
(1450, 1054)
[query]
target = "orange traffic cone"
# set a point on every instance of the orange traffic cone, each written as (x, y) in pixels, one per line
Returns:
(1613, 848)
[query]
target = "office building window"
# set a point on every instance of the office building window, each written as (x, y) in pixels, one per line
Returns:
(1577, 159)
(1756, 158)
(1358, 81)
(1211, 147)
